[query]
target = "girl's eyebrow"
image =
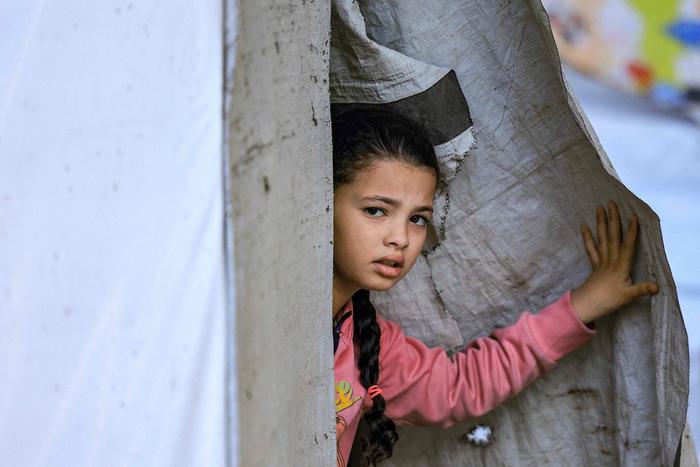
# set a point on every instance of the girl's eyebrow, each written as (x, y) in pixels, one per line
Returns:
(394, 202)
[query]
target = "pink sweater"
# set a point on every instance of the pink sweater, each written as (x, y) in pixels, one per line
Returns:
(423, 386)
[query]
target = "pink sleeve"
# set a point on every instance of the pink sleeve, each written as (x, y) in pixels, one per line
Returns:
(423, 386)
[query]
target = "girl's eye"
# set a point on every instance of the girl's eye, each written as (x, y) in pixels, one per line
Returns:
(374, 212)
(419, 220)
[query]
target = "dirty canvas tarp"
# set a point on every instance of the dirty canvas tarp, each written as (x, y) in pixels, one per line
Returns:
(523, 172)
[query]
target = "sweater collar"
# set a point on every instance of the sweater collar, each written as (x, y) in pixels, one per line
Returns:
(344, 314)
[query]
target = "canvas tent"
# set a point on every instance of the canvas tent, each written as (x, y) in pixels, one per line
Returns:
(509, 237)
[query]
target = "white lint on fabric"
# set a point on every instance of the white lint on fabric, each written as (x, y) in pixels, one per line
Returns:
(480, 435)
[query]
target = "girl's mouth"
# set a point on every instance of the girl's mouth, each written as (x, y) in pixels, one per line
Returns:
(389, 269)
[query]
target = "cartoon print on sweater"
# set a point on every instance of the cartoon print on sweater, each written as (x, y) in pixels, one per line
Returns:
(343, 396)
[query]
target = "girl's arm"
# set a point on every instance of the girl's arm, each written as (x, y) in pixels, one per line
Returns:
(423, 386)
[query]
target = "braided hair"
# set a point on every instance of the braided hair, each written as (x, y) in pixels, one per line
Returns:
(362, 136)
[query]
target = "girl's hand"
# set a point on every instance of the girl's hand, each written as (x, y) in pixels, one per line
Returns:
(609, 286)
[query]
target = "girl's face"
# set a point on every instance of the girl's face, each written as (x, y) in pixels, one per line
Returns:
(380, 225)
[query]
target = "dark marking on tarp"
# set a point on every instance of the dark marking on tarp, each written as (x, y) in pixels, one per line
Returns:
(313, 115)
(266, 184)
(518, 281)
(581, 392)
(605, 429)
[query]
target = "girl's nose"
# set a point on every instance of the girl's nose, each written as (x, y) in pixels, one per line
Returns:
(397, 236)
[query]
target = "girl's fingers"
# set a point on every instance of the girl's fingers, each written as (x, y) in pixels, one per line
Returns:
(589, 243)
(613, 231)
(629, 243)
(643, 288)
(602, 235)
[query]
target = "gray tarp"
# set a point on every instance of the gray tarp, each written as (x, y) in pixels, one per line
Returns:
(508, 237)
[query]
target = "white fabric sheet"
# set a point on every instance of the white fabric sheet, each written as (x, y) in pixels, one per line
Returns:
(112, 310)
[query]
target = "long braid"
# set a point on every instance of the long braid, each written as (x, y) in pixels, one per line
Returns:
(381, 431)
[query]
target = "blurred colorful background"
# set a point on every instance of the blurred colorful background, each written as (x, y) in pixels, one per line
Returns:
(644, 47)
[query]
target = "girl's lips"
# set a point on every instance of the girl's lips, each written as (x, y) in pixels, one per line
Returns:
(387, 271)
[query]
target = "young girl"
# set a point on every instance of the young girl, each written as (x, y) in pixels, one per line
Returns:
(385, 176)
